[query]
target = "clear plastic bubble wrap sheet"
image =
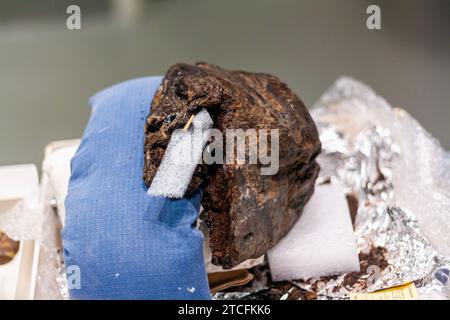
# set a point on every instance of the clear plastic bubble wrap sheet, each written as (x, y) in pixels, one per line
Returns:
(35, 218)
(399, 178)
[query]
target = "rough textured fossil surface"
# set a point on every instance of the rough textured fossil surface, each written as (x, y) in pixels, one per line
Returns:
(247, 213)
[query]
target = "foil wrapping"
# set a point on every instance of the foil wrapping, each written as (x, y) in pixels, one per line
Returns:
(366, 171)
(363, 141)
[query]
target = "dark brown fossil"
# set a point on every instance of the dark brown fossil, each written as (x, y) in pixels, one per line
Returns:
(247, 213)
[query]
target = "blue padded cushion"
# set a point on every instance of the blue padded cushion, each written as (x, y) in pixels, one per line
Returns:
(126, 244)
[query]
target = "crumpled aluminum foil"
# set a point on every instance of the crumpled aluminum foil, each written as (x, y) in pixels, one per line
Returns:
(363, 141)
(367, 172)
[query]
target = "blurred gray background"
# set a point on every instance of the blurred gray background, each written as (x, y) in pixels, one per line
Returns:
(47, 73)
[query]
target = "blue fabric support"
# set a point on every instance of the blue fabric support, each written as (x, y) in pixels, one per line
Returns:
(127, 244)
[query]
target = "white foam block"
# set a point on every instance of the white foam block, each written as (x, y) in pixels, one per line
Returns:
(322, 241)
(18, 181)
(181, 157)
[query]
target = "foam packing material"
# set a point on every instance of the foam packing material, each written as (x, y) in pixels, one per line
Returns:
(17, 181)
(182, 155)
(321, 243)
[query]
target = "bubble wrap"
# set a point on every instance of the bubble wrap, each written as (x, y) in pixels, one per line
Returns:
(34, 218)
(421, 174)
